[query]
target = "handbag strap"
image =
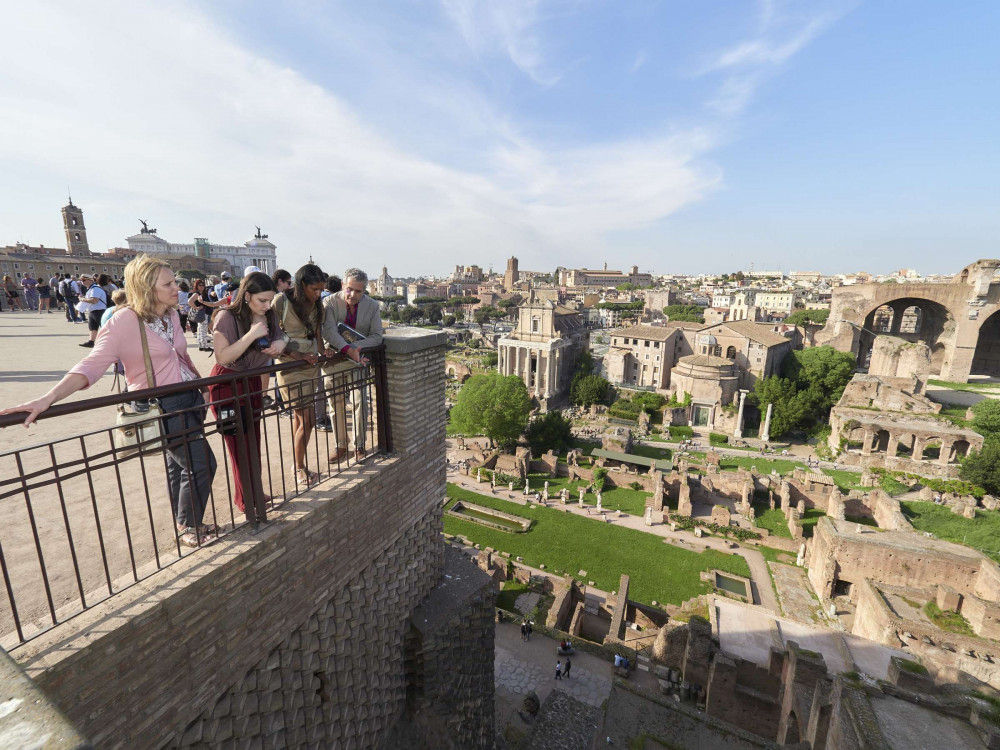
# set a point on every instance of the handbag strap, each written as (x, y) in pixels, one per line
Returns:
(150, 378)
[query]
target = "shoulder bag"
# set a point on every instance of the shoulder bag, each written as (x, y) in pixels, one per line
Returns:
(140, 430)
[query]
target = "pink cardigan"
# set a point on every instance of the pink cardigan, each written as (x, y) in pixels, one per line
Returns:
(119, 339)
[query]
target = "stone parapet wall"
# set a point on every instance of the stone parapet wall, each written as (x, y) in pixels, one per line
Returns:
(294, 636)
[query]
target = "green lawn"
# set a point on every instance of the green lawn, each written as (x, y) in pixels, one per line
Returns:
(810, 519)
(846, 480)
(970, 387)
(981, 532)
(772, 520)
(775, 555)
(568, 543)
(764, 465)
(624, 499)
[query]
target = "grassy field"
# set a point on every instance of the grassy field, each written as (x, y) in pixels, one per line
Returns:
(810, 519)
(846, 480)
(772, 520)
(969, 387)
(775, 555)
(568, 543)
(624, 499)
(764, 465)
(981, 532)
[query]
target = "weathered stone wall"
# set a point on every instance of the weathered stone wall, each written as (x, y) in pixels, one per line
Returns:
(745, 695)
(987, 585)
(292, 637)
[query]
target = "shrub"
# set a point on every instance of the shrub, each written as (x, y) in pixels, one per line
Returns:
(717, 438)
(600, 478)
(635, 486)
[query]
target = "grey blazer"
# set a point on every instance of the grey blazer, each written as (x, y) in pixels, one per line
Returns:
(369, 321)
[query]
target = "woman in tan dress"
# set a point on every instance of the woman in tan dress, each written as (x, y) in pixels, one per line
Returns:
(300, 315)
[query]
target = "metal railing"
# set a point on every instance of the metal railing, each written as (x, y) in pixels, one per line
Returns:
(84, 520)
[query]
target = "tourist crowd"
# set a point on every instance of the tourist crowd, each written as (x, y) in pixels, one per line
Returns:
(247, 324)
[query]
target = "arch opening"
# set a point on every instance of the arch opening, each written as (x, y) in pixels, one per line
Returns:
(986, 360)
(911, 319)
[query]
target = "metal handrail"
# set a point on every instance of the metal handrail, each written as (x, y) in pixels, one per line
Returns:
(85, 520)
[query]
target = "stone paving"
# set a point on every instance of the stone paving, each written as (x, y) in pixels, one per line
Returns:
(795, 593)
(520, 666)
(526, 602)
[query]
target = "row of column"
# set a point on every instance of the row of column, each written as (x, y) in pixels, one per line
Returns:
(868, 446)
(516, 360)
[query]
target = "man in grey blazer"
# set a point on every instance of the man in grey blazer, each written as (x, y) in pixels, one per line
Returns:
(350, 306)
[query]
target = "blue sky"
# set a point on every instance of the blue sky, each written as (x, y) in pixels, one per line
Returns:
(680, 136)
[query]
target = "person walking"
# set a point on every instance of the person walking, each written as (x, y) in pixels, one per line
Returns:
(151, 318)
(558, 670)
(352, 307)
(94, 304)
(202, 307)
(528, 629)
(524, 630)
(567, 667)
(247, 336)
(183, 308)
(300, 315)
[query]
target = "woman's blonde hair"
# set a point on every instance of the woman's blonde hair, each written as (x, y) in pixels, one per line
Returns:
(140, 284)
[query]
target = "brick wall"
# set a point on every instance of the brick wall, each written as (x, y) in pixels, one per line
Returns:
(292, 637)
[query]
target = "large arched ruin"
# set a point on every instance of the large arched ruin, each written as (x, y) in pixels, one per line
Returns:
(958, 320)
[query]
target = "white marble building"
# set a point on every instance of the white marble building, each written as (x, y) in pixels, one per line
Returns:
(258, 251)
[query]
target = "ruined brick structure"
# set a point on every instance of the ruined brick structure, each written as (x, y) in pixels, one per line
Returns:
(957, 321)
(326, 629)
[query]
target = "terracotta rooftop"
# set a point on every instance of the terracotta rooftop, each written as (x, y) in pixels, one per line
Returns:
(650, 333)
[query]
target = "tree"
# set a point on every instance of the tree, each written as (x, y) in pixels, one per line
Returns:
(410, 315)
(455, 301)
(490, 359)
(983, 467)
(427, 300)
(449, 320)
(986, 417)
(492, 404)
(551, 431)
(812, 382)
(433, 312)
(589, 389)
(484, 315)
(600, 478)
(685, 313)
(808, 318)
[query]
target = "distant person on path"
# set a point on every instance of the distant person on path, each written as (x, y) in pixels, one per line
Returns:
(528, 629)
(71, 295)
(94, 303)
(354, 308)
(558, 670)
(183, 308)
(44, 296)
(54, 286)
(13, 295)
(247, 336)
(29, 286)
(200, 308)
(152, 295)
(569, 666)
(300, 315)
(524, 630)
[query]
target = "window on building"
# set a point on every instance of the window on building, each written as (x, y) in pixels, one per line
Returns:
(77, 236)
(535, 324)
(731, 352)
(16, 265)
(647, 356)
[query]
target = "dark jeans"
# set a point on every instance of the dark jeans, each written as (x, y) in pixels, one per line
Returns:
(190, 461)
(71, 308)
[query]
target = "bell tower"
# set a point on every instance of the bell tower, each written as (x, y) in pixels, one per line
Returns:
(76, 231)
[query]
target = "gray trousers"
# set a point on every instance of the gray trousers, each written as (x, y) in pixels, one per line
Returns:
(352, 376)
(190, 462)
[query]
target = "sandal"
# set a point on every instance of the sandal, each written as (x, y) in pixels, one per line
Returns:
(188, 536)
(306, 477)
(209, 529)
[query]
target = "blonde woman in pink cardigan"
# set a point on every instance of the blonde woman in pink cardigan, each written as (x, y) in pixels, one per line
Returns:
(152, 295)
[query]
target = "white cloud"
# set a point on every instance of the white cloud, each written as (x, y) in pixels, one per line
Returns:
(156, 111)
(511, 26)
(783, 32)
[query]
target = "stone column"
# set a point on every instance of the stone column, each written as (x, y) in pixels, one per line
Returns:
(766, 434)
(892, 446)
(738, 431)
(946, 447)
(918, 448)
(866, 442)
(550, 373)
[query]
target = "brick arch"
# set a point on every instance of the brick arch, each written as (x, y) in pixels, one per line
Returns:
(936, 329)
(986, 360)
